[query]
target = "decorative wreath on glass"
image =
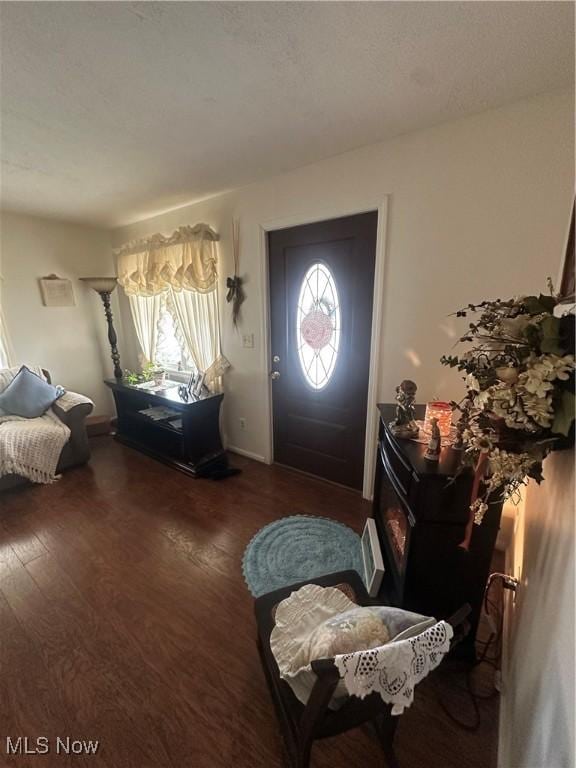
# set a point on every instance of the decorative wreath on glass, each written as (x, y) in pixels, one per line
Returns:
(318, 325)
(519, 402)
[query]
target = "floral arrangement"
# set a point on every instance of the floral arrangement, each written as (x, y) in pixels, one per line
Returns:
(519, 403)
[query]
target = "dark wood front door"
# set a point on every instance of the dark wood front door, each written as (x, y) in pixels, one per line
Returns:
(321, 291)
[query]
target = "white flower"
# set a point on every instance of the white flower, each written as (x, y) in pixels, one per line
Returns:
(479, 508)
(477, 440)
(472, 383)
(554, 367)
(504, 401)
(509, 404)
(504, 395)
(542, 371)
(509, 471)
(482, 399)
(539, 408)
(534, 381)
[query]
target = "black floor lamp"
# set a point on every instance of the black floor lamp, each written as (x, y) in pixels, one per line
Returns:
(104, 286)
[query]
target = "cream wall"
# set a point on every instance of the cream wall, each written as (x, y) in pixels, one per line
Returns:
(69, 341)
(537, 705)
(477, 208)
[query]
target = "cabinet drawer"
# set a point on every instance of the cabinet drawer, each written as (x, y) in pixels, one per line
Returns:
(398, 464)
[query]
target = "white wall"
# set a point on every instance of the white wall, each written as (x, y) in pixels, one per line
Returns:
(537, 710)
(537, 706)
(478, 208)
(69, 341)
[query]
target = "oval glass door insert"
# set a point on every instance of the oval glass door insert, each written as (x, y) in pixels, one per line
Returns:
(318, 325)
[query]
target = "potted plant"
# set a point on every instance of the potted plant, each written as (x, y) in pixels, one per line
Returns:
(151, 371)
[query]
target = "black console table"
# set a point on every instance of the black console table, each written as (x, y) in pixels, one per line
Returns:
(421, 509)
(188, 440)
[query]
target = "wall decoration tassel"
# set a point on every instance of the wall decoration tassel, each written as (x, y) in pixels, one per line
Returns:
(235, 291)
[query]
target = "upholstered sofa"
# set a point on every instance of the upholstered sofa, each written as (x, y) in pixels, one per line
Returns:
(76, 451)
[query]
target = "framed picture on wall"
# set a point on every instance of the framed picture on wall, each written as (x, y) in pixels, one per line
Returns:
(57, 292)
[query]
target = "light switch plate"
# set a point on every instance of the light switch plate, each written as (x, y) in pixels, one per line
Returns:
(248, 340)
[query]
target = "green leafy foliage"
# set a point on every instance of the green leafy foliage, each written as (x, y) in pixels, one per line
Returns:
(537, 305)
(551, 341)
(130, 377)
(147, 374)
(564, 413)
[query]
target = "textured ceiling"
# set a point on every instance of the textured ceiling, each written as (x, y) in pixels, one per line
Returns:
(113, 111)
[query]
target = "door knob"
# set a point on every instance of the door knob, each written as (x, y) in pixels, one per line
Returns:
(275, 375)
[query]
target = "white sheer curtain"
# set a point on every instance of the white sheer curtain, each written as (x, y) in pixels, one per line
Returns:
(146, 314)
(6, 355)
(5, 348)
(197, 317)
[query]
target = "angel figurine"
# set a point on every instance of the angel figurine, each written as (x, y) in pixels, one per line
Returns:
(435, 444)
(404, 425)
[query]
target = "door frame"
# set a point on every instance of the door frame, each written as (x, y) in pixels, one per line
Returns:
(296, 220)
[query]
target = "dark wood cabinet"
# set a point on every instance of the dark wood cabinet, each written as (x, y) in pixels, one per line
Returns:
(189, 440)
(421, 509)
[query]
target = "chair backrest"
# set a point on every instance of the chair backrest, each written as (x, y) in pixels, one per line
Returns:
(355, 711)
(15, 369)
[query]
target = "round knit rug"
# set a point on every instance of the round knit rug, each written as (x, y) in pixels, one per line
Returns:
(299, 548)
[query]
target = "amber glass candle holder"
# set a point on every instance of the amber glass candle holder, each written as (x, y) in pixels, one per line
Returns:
(437, 409)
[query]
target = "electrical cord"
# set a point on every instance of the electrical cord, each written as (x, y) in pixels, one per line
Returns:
(492, 608)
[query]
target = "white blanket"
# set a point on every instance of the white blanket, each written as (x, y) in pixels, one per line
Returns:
(70, 400)
(30, 447)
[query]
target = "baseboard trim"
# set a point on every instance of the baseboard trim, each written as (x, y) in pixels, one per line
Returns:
(246, 454)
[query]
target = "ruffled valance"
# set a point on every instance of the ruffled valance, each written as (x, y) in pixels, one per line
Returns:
(185, 260)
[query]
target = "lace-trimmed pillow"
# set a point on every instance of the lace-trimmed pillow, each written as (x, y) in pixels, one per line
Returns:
(321, 622)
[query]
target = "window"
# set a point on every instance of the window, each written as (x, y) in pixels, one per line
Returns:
(318, 326)
(171, 350)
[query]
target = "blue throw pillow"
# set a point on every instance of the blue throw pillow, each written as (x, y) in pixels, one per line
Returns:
(28, 395)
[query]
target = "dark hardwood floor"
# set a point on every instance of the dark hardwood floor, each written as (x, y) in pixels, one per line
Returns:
(124, 618)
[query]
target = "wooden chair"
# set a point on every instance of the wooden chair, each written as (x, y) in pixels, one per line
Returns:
(302, 724)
